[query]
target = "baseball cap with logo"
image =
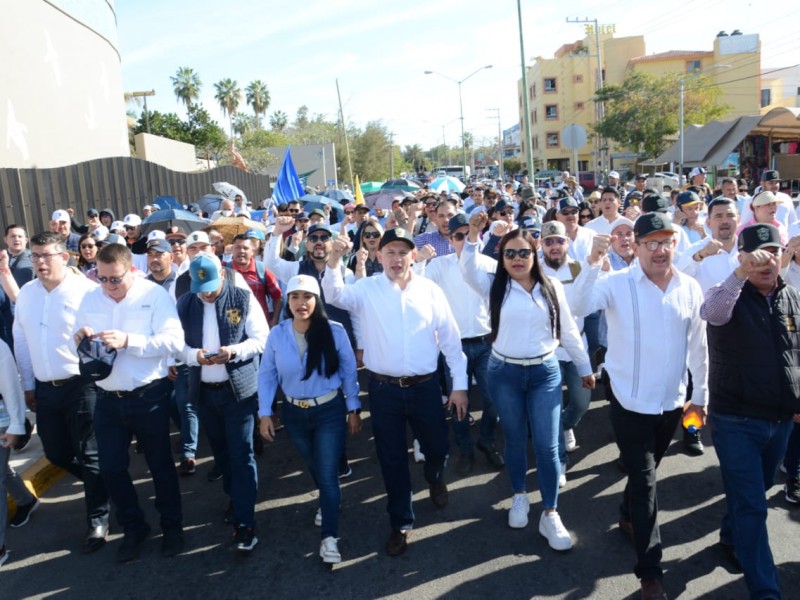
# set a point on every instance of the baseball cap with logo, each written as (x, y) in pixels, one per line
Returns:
(530, 223)
(319, 227)
(764, 198)
(554, 229)
(115, 238)
(568, 202)
(770, 176)
(303, 283)
(197, 237)
(161, 246)
(398, 234)
(687, 198)
(60, 215)
(100, 233)
(650, 223)
(95, 359)
(614, 174)
(156, 234)
(204, 273)
(254, 234)
(697, 171)
(132, 220)
(655, 203)
(760, 235)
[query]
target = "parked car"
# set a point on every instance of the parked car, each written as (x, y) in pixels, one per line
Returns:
(663, 181)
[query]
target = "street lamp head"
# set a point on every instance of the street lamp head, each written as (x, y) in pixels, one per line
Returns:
(428, 72)
(488, 67)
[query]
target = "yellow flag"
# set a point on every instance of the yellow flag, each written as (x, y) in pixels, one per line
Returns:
(359, 193)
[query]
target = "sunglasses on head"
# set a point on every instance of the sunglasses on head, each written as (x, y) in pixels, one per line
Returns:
(371, 235)
(318, 238)
(511, 253)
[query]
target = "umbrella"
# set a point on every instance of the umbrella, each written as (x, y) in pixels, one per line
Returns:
(402, 184)
(210, 203)
(228, 190)
(164, 219)
(339, 195)
(230, 227)
(312, 201)
(448, 184)
(384, 198)
(371, 186)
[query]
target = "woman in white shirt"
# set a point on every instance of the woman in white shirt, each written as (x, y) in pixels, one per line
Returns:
(529, 316)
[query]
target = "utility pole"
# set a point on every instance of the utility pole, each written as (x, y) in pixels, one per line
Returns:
(528, 139)
(144, 96)
(346, 142)
(391, 155)
(599, 107)
(499, 142)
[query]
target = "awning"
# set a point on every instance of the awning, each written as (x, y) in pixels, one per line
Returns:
(730, 140)
(698, 142)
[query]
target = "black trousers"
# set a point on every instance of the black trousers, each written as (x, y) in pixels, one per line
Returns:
(642, 440)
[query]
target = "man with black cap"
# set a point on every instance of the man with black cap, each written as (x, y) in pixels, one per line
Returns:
(225, 331)
(754, 387)
(471, 312)
(689, 215)
(401, 354)
(640, 183)
(786, 215)
(137, 319)
(63, 400)
(652, 310)
(580, 238)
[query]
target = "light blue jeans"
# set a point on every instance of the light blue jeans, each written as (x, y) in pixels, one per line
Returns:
(529, 397)
(579, 398)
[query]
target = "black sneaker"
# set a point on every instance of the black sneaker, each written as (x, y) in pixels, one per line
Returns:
(131, 545)
(172, 542)
(692, 443)
(344, 469)
(492, 455)
(215, 474)
(465, 463)
(791, 490)
(245, 539)
(22, 440)
(23, 513)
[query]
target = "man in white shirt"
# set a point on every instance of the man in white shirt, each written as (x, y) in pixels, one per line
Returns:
(63, 400)
(402, 353)
(580, 238)
(786, 214)
(471, 312)
(654, 333)
(609, 205)
(137, 319)
(715, 257)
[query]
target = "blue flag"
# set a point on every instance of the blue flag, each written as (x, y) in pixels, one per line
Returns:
(288, 186)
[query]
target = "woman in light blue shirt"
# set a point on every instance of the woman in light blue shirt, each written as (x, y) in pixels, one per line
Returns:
(312, 360)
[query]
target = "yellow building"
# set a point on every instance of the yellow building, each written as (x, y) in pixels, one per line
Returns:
(560, 89)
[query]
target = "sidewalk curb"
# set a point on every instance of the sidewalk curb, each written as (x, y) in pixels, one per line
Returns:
(38, 477)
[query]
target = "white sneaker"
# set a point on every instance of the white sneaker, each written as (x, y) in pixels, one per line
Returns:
(329, 551)
(551, 527)
(518, 515)
(419, 457)
(318, 518)
(562, 477)
(569, 440)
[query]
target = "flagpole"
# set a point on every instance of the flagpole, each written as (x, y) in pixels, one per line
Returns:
(344, 130)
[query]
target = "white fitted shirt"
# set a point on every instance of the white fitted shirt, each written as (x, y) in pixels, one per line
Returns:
(404, 329)
(712, 269)
(43, 326)
(470, 309)
(564, 275)
(653, 336)
(149, 317)
(581, 246)
(525, 330)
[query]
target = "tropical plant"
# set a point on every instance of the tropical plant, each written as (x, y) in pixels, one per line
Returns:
(257, 96)
(229, 96)
(186, 85)
(278, 120)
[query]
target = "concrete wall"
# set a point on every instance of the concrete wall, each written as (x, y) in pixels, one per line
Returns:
(61, 97)
(321, 157)
(177, 156)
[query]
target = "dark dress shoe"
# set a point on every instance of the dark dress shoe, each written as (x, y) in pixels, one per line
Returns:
(692, 443)
(397, 543)
(653, 590)
(729, 552)
(131, 544)
(96, 538)
(492, 455)
(626, 527)
(465, 463)
(172, 542)
(439, 495)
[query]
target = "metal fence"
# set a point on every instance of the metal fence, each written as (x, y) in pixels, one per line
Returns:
(28, 197)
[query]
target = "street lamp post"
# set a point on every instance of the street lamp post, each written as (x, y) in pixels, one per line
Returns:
(461, 107)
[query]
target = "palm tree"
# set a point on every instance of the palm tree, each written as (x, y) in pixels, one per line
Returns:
(229, 96)
(258, 97)
(278, 120)
(186, 84)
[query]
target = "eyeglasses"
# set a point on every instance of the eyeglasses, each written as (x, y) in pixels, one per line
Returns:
(552, 241)
(371, 235)
(459, 236)
(511, 253)
(44, 257)
(87, 246)
(568, 212)
(294, 211)
(505, 213)
(348, 212)
(180, 241)
(743, 190)
(318, 238)
(111, 280)
(534, 234)
(653, 246)
(130, 227)
(587, 216)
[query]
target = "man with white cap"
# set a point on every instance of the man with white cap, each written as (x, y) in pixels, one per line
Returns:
(225, 332)
(159, 264)
(61, 223)
(133, 228)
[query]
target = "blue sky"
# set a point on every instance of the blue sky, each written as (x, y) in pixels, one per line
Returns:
(380, 50)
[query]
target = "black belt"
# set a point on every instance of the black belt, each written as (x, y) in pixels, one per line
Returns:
(404, 382)
(133, 392)
(476, 340)
(216, 385)
(60, 382)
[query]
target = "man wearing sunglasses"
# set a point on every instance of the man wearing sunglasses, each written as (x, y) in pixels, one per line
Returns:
(580, 238)
(655, 333)
(137, 318)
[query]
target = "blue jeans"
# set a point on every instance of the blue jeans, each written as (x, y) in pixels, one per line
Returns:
(116, 421)
(749, 451)
(229, 427)
(579, 398)
(791, 461)
(187, 411)
(529, 397)
(421, 407)
(319, 433)
(477, 354)
(595, 336)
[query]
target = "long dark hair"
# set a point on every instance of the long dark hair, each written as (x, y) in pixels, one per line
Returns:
(322, 355)
(501, 284)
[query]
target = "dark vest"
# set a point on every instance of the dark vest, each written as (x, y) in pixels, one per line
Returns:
(231, 308)
(754, 359)
(334, 312)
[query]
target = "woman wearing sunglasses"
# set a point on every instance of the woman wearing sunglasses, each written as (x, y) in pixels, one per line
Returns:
(585, 213)
(87, 252)
(364, 262)
(523, 369)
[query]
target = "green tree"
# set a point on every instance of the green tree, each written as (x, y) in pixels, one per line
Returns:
(206, 134)
(254, 148)
(167, 125)
(257, 95)
(244, 123)
(278, 121)
(301, 118)
(414, 156)
(512, 166)
(186, 85)
(644, 109)
(370, 152)
(229, 96)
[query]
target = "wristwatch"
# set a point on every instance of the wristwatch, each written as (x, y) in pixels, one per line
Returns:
(233, 355)
(357, 411)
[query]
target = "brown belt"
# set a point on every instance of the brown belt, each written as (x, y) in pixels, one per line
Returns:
(404, 382)
(61, 382)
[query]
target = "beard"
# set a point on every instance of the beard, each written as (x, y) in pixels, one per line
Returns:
(557, 263)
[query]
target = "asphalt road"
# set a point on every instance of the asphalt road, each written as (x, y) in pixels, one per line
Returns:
(463, 551)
